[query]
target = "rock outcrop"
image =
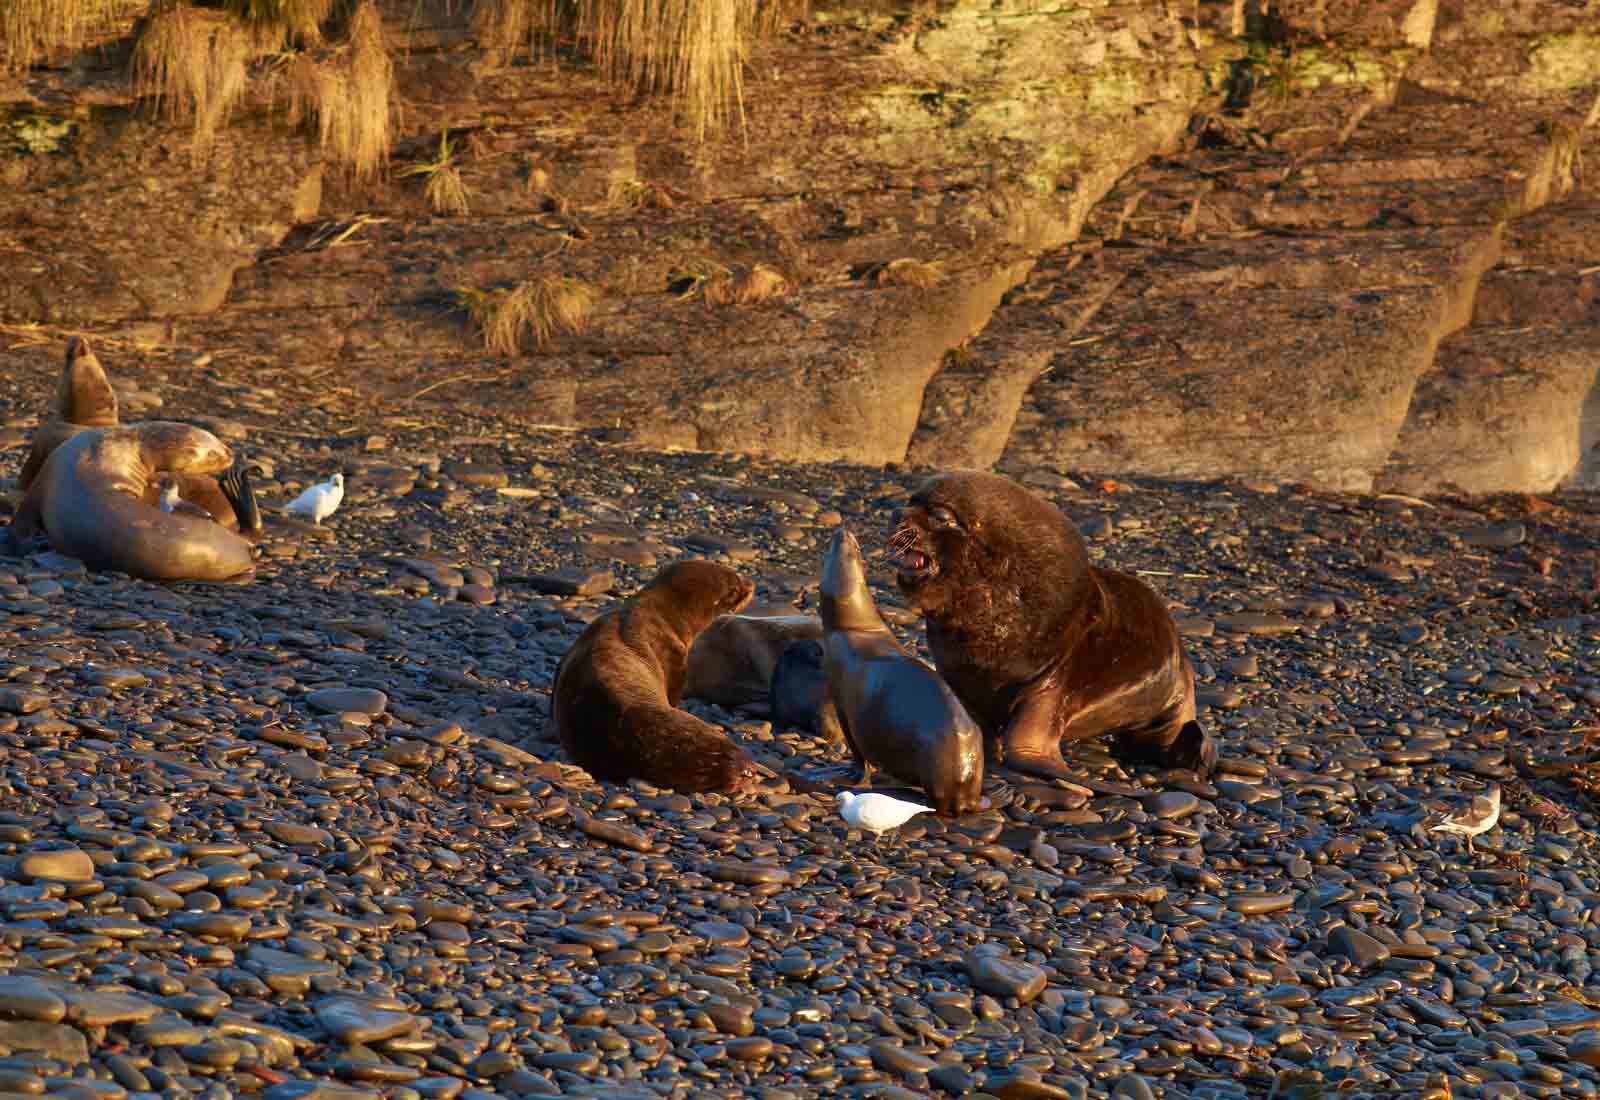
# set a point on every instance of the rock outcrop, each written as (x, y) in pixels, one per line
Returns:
(1343, 244)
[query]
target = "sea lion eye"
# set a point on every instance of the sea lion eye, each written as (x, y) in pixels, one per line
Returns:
(940, 516)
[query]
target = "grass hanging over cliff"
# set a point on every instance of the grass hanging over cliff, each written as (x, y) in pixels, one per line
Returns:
(277, 21)
(691, 50)
(350, 93)
(192, 63)
(34, 29)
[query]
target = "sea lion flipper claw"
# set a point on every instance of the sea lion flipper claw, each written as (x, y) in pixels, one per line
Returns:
(1194, 748)
(235, 485)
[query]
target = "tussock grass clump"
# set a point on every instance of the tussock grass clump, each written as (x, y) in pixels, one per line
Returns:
(692, 50)
(351, 95)
(442, 184)
(32, 29)
(514, 25)
(908, 272)
(192, 62)
(278, 21)
(539, 308)
(719, 285)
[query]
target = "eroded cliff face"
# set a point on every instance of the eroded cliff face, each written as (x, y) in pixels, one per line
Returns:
(1348, 244)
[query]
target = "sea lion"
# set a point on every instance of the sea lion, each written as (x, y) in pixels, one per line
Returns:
(617, 689)
(731, 663)
(1041, 646)
(85, 399)
(88, 500)
(798, 696)
(895, 711)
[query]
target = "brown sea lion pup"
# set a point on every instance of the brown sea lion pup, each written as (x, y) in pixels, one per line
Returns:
(896, 713)
(89, 497)
(1041, 646)
(618, 688)
(731, 662)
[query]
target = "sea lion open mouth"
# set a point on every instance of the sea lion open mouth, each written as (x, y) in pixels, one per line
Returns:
(912, 560)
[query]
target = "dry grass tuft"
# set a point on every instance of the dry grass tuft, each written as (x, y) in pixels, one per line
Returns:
(278, 21)
(351, 95)
(691, 49)
(442, 186)
(192, 61)
(513, 25)
(748, 288)
(632, 194)
(908, 272)
(34, 29)
(539, 308)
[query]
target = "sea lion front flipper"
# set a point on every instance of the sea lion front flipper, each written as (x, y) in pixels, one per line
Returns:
(1032, 745)
(235, 485)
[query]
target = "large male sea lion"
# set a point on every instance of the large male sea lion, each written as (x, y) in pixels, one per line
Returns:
(85, 399)
(89, 500)
(618, 688)
(895, 711)
(1041, 646)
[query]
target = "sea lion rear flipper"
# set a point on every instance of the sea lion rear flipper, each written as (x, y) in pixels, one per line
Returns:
(1194, 748)
(235, 485)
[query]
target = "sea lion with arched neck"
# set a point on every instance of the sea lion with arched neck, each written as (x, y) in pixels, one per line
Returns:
(618, 688)
(1041, 646)
(89, 501)
(895, 711)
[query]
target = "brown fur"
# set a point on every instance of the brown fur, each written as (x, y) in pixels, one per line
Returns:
(89, 501)
(618, 688)
(1038, 644)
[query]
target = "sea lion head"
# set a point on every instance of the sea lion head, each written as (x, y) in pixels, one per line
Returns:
(84, 394)
(697, 591)
(181, 448)
(981, 549)
(847, 602)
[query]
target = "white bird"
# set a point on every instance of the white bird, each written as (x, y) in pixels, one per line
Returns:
(172, 503)
(1476, 817)
(320, 501)
(877, 813)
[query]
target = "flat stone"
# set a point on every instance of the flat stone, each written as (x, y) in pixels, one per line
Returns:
(59, 1041)
(368, 701)
(1360, 948)
(25, 998)
(58, 865)
(571, 581)
(350, 1021)
(1005, 977)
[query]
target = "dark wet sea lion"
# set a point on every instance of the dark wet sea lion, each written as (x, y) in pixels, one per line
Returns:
(88, 500)
(732, 661)
(798, 696)
(896, 712)
(85, 399)
(1041, 646)
(618, 688)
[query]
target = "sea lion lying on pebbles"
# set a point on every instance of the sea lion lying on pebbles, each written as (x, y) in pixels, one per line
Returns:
(731, 663)
(798, 696)
(85, 399)
(896, 713)
(89, 499)
(1041, 646)
(618, 688)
